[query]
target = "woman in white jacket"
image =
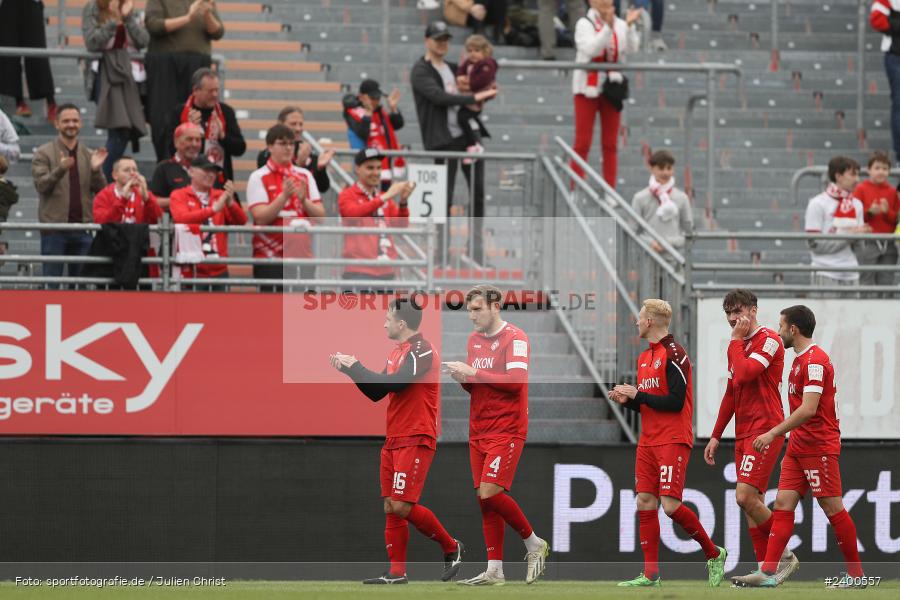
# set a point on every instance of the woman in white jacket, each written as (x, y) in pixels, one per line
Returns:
(601, 36)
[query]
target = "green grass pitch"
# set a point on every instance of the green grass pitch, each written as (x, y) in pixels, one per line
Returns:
(555, 590)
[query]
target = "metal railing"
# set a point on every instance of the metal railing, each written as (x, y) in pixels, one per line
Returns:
(711, 70)
(217, 58)
(166, 260)
(821, 171)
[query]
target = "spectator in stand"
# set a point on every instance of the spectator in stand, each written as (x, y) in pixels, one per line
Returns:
(282, 194)
(66, 176)
(9, 195)
(437, 98)
(174, 173)
(303, 155)
(547, 10)
(880, 209)
(371, 122)
(113, 28)
(363, 204)
(202, 204)
(9, 139)
(665, 208)
(836, 211)
(480, 72)
(602, 37)
(884, 17)
(126, 199)
(22, 25)
(476, 14)
(181, 35)
(222, 137)
(657, 11)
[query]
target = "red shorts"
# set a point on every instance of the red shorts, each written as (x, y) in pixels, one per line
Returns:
(822, 474)
(403, 472)
(494, 460)
(660, 470)
(754, 468)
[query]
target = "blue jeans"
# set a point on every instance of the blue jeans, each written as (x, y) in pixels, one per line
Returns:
(892, 68)
(116, 143)
(64, 243)
(655, 7)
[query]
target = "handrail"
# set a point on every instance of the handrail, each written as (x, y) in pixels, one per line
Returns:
(820, 170)
(333, 165)
(620, 222)
(76, 54)
(317, 229)
(543, 65)
(448, 154)
(620, 201)
(793, 235)
(620, 287)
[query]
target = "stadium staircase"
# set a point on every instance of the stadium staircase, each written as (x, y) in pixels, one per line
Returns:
(777, 119)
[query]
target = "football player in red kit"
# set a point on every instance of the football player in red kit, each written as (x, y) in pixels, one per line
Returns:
(753, 398)
(664, 398)
(411, 381)
(811, 460)
(496, 376)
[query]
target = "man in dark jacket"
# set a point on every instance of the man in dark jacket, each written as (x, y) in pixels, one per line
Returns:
(437, 102)
(222, 137)
(371, 122)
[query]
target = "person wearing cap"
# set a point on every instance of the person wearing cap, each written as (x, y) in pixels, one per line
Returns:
(438, 100)
(173, 173)
(377, 126)
(282, 194)
(363, 204)
(202, 204)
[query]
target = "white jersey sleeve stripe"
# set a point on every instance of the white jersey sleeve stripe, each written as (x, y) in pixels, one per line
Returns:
(516, 365)
(680, 372)
(762, 359)
(816, 389)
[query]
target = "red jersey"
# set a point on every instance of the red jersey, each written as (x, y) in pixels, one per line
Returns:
(870, 193)
(499, 389)
(359, 208)
(112, 207)
(413, 411)
(812, 371)
(188, 207)
(753, 393)
(660, 368)
(263, 186)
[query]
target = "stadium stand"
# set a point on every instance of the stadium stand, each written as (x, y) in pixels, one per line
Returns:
(782, 115)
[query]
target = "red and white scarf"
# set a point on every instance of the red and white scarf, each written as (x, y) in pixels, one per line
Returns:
(287, 172)
(129, 211)
(667, 209)
(212, 148)
(609, 54)
(845, 213)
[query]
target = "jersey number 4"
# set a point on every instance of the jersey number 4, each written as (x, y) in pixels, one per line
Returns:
(495, 465)
(399, 480)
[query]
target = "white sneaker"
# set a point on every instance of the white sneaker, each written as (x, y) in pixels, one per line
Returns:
(486, 578)
(536, 562)
(787, 566)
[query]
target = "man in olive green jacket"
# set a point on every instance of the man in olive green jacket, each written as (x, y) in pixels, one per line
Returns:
(66, 176)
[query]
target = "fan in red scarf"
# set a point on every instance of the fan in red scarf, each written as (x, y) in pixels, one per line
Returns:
(836, 211)
(222, 137)
(378, 127)
(282, 194)
(127, 199)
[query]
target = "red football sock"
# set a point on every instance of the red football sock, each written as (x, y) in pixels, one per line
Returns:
(428, 524)
(506, 507)
(760, 537)
(494, 527)
(782, 528)
(396, 538)
(649, 531)
(691, 524)
(845, 530)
